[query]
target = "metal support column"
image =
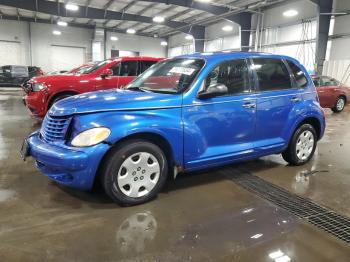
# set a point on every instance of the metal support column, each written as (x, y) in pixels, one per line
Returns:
(323, 21)
(245, 22)
(198, 32)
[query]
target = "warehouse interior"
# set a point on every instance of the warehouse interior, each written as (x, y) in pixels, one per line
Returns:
(256, 210)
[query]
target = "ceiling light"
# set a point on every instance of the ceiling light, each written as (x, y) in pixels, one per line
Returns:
(155, 35)
(158, 19)
(164, 43)
(72, 7)
(114, 38)
(189, 37)
(131, 31)
(203, 1)
(290, 13)
(62, 23)
(56, 32)
(227, 28)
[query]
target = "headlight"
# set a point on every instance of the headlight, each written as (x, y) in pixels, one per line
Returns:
(91, 137)
(38, 87)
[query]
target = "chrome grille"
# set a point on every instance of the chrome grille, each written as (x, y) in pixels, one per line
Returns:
(54, 128)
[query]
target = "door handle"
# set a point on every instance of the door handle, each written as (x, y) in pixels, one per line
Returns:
(249, 105)
(295, 99)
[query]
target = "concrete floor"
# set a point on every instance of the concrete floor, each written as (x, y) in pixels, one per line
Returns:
(199, 217)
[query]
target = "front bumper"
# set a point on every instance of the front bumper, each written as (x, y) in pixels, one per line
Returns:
(74, 167)
(36, 102)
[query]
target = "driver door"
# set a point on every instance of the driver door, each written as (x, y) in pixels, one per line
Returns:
(222, 128)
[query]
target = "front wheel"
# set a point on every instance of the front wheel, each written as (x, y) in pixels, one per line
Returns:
(340, 104)
(134, 172)
(58, 98)
(302, 146)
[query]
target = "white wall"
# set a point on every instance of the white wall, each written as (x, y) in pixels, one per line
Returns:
(338, 59)
(146, 46)
(215, 40)
(281, 34)
(43, 42)
(15, 31)
(274, 16)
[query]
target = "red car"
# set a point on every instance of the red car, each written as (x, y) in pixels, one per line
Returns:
(42, 92)
(331, 92)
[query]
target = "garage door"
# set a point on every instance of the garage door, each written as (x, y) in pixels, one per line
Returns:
(10, 53)
(66, 57)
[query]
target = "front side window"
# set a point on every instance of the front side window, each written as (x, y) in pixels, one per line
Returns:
(233, 74)
(299, 75)
(317, 81)
(128, 68)
(115, 69)
(169, 76)
(272, 74)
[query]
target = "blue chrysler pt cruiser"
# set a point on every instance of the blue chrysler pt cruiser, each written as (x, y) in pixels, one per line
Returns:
(187, 113)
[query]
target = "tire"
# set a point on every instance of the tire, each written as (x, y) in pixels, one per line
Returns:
(58, 98)
(301, 149)
(339, 105)
(134, 172)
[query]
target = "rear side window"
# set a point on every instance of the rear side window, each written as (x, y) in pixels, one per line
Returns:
(20, 71)
(298, 74)
(272, 74)
(326, 81)
(233, 74)
(144, 65)
(128, 68)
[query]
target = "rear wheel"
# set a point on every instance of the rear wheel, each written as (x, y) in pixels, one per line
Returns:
(302, 146)
(340, 104)
(134, 172)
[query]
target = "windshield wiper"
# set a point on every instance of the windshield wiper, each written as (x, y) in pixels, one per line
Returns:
(135, 88)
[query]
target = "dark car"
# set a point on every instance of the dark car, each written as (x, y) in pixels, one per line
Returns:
(332, 93)
(15, 75)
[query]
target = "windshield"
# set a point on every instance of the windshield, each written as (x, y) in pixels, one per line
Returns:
(169, 76)
(94, 67)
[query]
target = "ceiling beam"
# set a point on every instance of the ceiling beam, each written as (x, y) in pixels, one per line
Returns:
(207, 7)
(71, 24)
(58, 9)
(138, 13)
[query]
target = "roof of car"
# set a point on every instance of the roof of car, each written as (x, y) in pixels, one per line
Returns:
(136, 58)
(233, 54)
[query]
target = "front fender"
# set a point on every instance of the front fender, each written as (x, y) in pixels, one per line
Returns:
(163, 122)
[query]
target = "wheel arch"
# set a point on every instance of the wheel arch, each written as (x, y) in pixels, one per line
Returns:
(54, 96)
(313, 121)
(154, 138)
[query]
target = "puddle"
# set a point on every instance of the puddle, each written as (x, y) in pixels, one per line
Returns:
(6, 194)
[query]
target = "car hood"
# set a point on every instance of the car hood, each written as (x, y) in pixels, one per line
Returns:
(47, 79)
(114, 100)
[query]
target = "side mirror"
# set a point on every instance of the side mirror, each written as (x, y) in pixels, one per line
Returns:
(213, 90)
(106, 73)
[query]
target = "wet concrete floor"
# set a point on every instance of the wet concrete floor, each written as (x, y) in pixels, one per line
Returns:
(198, 217)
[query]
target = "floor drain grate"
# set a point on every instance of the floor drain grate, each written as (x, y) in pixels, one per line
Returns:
(323, 218)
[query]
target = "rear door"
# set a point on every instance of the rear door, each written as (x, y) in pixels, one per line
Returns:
(276, 97)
